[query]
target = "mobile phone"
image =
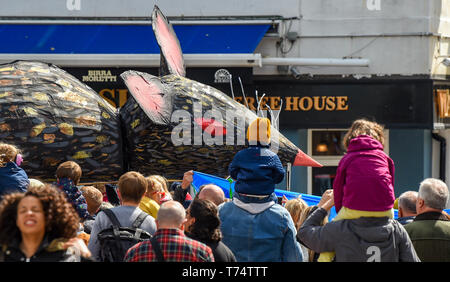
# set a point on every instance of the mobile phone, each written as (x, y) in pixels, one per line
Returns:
(280, 200)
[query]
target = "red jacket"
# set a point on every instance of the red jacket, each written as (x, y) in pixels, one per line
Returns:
(365, 177)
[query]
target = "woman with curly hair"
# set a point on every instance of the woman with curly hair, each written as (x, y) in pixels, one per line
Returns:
(39, 225)
(203, 224)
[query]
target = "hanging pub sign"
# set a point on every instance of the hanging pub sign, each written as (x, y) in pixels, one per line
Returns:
(221, 77)
(442, 97)
(393, 103)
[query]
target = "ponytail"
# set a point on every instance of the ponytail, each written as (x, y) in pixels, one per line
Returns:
(3, 160)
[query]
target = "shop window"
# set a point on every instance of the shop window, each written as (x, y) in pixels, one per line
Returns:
(328, 143)
(323, 178)
(326, 147)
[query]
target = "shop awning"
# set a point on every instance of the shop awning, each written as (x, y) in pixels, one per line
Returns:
(214, 44)
(127, 39)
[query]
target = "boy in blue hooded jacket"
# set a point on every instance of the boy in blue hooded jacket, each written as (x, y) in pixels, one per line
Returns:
(257, 169)
(254, 226)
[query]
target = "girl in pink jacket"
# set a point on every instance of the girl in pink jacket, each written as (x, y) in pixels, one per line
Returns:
(364, 183)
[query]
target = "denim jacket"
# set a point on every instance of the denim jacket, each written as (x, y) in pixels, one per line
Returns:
(259, 230)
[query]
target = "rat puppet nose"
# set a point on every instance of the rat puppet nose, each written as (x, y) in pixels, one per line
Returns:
(302, 159)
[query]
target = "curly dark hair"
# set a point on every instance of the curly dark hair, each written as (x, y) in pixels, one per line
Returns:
(61, 219)
(206, 227)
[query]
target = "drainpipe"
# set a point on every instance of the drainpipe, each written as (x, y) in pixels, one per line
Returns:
(443, 149)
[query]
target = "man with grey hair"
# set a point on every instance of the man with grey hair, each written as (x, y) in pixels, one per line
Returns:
(169, 242)
(407, 207)
(430, 230)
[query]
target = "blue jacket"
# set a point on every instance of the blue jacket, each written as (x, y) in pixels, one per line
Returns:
(259, 230)
(13, 179)
(256, 170)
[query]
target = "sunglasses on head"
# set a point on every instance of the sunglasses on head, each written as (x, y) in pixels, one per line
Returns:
(162, 193)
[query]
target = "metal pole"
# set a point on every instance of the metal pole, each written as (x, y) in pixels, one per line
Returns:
(288, 176)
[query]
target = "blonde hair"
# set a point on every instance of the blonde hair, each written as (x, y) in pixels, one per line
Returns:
(364, 127)
(35, 183)
(162, 180)
(152, 181)
(296, 207)
(8, 153)
(306, 213)
(302, 219)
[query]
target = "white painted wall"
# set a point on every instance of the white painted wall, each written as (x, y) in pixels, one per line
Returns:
(400, 37)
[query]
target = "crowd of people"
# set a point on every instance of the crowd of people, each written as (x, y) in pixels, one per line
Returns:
(146, 218)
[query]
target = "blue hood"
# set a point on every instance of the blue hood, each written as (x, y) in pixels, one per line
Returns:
(256, 171)
(13, 179)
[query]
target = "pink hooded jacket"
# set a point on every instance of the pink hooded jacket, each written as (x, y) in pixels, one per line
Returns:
(365, 177)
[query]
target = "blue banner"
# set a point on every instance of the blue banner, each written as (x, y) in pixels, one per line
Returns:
(228, 188)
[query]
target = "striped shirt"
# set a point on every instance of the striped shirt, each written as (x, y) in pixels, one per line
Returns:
(175, 246)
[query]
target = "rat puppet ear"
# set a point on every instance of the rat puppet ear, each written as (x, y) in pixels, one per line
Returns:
(172, 61)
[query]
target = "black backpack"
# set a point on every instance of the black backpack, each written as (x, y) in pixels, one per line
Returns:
(116, 240)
